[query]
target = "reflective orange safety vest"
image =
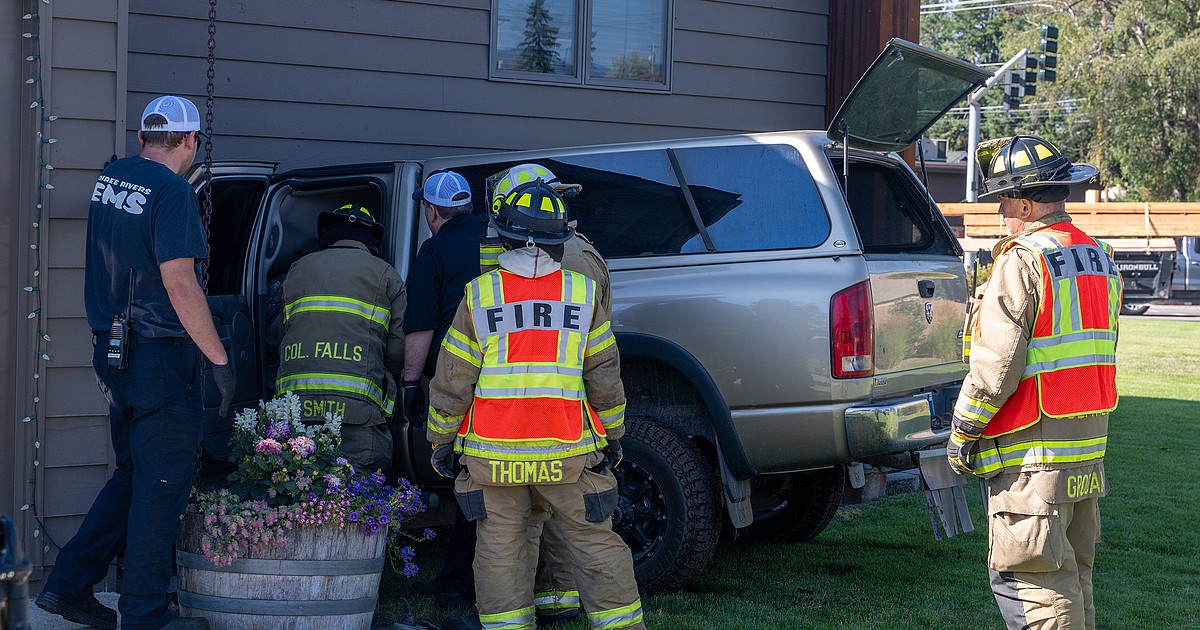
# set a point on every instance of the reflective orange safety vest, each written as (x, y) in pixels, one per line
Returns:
(533, 335)
(1070, 362)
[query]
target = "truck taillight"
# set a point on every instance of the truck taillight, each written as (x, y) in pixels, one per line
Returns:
(852, 332)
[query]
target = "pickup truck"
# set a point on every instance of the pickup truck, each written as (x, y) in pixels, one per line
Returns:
(786, 304)
(1160, 271)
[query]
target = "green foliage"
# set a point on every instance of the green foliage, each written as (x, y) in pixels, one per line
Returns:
(539, 49)
(1128, 92)
(877, 566)
(633, 66)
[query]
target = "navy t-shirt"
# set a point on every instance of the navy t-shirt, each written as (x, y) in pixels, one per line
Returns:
(142, 214)
(446, 262)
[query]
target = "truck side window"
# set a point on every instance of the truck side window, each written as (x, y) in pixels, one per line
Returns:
(890, 215)
(754, 197)
(235, 206)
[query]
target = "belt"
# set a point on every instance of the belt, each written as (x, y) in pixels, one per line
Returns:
(101, 336)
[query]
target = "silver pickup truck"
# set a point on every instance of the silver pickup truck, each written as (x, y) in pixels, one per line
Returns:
(786, 304)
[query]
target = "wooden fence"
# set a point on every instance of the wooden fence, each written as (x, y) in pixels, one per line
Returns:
(1103, 220)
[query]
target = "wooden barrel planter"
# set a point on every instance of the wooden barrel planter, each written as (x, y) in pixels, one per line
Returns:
(325, 580)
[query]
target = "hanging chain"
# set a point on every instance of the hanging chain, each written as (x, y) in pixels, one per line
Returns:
(208, 204)
(208, 119)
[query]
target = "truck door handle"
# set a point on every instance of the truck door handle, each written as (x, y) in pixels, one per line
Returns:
(925, 287)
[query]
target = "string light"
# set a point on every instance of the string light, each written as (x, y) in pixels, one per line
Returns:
(33, 291)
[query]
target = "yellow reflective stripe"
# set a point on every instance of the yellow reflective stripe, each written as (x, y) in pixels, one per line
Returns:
(443, 424)
(977, 411)
(527, 450)
(1037, 452)
(316, 382)
(520, 619)
(569, 384)
(337, 304)
(1089, 347)
(462, 346)
(553, 600)
(611, 418)
(600, 338)
(489, 255)
(622, 617)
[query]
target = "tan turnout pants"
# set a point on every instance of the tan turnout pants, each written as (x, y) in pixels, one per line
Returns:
(506, 553)
(554, 586)
(1040, 558)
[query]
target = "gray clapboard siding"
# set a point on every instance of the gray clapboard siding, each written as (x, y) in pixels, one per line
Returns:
(73, 441)
(393, 80)
(73, 186)
(72, 344)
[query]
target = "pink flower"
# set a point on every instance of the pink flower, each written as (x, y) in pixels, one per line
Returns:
(302, 445)
(267, 446)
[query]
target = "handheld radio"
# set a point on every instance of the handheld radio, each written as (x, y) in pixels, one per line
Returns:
(118, 334)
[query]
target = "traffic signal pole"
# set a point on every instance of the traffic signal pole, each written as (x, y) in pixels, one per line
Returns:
(975, 103)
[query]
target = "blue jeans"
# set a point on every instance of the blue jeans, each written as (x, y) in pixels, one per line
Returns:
(156, 419)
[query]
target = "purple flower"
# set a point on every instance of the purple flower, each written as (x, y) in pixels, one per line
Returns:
(430, 534)
(332, 481)
(353, 517)
(268, 446)
(410, 570)
(279, 430)
(383, 520)
(341, 461)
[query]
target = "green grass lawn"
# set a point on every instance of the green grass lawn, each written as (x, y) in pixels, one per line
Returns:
(878, 566)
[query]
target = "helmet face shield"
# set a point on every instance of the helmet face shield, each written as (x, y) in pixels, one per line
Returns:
(532, 211)
(1010, 165)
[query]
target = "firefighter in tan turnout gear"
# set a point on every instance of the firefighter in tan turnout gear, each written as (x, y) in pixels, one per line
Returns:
(1032, 417)
(555, 594)
(343, 339)
(528, 391)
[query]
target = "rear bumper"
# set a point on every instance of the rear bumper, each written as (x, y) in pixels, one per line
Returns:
(897, 425)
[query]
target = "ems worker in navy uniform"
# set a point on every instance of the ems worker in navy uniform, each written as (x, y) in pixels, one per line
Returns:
(528, 391)
(144, 237)
(1032, 417)
(342, 341)
(445, 263)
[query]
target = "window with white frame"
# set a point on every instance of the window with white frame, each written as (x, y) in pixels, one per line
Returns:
(617, 43)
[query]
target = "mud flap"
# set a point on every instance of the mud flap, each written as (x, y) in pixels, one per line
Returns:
(944, 495)
(737, 495)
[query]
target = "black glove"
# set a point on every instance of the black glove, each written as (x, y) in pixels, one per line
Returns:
(613, 453)
(226, 383)
(414, 403)
(443, 460)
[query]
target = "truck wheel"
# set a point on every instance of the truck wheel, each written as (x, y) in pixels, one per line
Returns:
(795, 507)
(1134, 309)
(668, 509)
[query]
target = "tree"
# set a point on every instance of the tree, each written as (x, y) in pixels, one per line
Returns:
(632, 66)
(539, 49)
(1128, 92)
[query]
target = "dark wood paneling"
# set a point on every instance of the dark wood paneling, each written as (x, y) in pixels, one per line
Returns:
(858, 30)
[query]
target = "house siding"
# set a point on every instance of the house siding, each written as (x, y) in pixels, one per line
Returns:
(82, 71)
(382, 80)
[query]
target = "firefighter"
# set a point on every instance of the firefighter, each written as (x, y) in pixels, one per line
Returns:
(342, 345)
(555, 596)
(528, 391)
(1032, 417)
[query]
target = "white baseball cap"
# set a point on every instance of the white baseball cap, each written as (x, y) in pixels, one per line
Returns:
(181, 114)
(441, 189)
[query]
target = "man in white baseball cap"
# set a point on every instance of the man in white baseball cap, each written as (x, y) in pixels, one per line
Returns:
(151, 328)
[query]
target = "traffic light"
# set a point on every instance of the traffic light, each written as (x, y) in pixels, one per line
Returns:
(1031, 76)
(1049, 53)
(1012, 97)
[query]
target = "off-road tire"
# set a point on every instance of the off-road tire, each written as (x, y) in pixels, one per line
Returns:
(1134, 309)
(795, 507)
(669, 507)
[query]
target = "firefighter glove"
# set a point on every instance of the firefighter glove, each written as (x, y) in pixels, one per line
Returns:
(613, 453)
(963, 436)
(226, 383)
(414, 403)
(443, 460)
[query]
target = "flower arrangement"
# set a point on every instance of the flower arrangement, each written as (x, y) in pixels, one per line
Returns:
(291, 474)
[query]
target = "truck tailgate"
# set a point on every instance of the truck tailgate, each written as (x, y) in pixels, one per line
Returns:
(919, 311)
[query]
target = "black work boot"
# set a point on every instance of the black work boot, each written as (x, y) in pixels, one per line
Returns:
(553, 616)
(84, 609)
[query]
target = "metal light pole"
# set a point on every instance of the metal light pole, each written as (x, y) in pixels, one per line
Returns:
(974, 102)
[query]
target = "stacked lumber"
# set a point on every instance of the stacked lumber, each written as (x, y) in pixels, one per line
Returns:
(1102, 220)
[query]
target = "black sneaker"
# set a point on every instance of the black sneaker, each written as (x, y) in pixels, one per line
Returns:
(548, 617)
(85, 609)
